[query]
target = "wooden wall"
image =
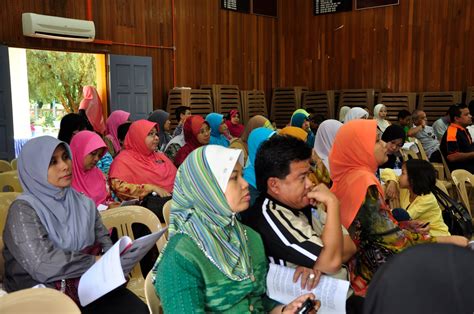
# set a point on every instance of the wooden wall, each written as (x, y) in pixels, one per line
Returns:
(420, 45)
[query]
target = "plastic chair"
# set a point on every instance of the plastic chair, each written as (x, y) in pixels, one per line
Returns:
(121, 219)
(439, 167)
(5, 201)
(460, 177)
(9, 182)
(5, 166)
(152, 300)
(38, 300)
(166, 214)
(14, 164)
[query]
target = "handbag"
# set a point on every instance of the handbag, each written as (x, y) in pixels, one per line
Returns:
(455, 215)
(155, 203)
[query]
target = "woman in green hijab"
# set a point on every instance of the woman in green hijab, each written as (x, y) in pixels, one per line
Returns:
(212, 262)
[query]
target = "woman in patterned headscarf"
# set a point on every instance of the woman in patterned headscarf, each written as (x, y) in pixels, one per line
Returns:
(212, 262)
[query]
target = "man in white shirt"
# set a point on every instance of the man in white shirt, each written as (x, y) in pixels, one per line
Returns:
(426, 135)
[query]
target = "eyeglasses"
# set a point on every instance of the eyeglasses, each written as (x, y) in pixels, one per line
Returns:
(204, 130)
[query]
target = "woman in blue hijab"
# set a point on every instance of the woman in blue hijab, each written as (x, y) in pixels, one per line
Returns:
(216, 122)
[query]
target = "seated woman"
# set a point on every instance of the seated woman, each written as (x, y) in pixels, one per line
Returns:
(212, 262)
(394, 136)
(53, 233)
(343, 112)
(162, 118)
(87, 148)
(70, 125)
(356, 113)
(216, 122)
(233, 123)
(355, 156)
(122, 131)
(196, 133)
(139, 170)
(256, 138)
(322, 147)
(116, 118)
(300, 119)
(294, 131)
(380, 113)
(255, 122)
(417, 181)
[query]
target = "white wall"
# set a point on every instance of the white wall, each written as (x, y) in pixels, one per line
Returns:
(20, 99)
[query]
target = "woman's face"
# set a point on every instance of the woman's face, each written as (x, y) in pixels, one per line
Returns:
(237, 192)
(59, 170)
(380, 151)
(167, 125)
(306, 125)
(403, 179)
(383, 113)
(93, 158)
(235, 119)
(223, 128)
(152, 140)
(394, 146)
(204, 134)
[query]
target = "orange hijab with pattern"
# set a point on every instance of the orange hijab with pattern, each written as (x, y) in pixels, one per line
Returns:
(353, 166)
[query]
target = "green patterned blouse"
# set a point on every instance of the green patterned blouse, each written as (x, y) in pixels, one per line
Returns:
(187, 282)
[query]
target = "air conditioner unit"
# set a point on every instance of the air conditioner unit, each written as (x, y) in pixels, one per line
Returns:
(53, 27)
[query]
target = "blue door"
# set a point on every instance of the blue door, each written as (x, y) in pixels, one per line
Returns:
(130, 85)
(7, 151)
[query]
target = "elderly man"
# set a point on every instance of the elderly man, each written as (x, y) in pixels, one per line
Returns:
(426, 135)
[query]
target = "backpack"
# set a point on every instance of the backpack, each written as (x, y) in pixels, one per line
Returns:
(455, 215)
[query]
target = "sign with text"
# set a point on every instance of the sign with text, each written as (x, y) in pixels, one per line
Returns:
(236, 5)
(331, 6)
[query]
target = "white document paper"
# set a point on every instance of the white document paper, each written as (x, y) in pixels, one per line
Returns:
(330, 291)
(109, 271)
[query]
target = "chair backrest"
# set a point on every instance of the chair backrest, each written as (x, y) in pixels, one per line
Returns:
(357, 98)
(9, 182)
(166, 214)
(224, 97)
(5, 166)
(321, 102)
(152, 300)
(14, 164)
(38, 300)
(460, 178)
(122, 218)
(435, 104)
(395, 102)
(285, 100)
(469, 95)
(442, 187)
(408, 154)
(6, 199)
(253, 103)
(198, 100)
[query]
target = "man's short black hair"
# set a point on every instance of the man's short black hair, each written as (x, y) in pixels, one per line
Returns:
(455, 111)
(402, 114)
(421, 176)
(181, 110)
(275, 156)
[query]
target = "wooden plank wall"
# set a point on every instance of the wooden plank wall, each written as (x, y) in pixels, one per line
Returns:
(420, 45)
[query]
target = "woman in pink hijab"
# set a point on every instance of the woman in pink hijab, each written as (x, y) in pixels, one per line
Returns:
(88, 148)
(92, 105)
(116, 119)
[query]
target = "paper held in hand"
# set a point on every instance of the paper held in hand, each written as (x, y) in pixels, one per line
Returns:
(330, 291)
(109, 271)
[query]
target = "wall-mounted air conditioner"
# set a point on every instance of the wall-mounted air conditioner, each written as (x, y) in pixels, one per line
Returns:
(53, 27)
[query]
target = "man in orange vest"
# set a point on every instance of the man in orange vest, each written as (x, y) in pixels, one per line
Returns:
(456, 144)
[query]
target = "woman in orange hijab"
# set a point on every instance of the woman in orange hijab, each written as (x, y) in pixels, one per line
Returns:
(354, 159)
(139, 170)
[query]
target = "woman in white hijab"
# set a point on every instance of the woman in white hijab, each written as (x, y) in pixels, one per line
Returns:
(380, 113)
(356, 113)
(325, 138)
(343, 112)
